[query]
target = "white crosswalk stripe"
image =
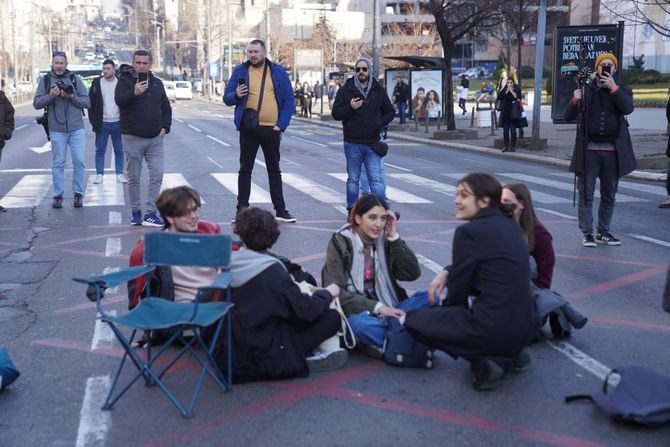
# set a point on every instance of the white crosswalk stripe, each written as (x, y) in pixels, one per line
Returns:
(173, 179)
(318, 192)
(229, 181)
(107, 193)
(651, 189)
(393, 194)
(28, 192)
(442, 188)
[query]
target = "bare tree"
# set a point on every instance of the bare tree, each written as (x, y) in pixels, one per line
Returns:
(454, 20)
(413, 38)
(642, 12)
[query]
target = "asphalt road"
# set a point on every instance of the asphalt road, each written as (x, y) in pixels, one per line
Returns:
(66, 360)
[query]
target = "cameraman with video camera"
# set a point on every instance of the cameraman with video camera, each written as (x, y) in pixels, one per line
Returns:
(64, 96)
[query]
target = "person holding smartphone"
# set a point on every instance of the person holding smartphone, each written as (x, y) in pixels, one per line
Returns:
(608, 154)
(146, 116)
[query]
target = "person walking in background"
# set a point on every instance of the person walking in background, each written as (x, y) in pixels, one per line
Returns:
(318, 93)
(608, 154)
(666, 202)
(510, 113)
(65, 97)
(104, 117)
(401, 96)
(6, 125)
(146, 116)
(262, 89)
(463, 93)
(364, 108)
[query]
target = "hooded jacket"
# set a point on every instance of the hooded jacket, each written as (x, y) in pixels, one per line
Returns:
(363, 125)
(6, 119)
(95, 111)
(65, 114)
(145, 115)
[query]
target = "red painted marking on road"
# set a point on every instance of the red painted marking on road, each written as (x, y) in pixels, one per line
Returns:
(90, 304)
(631, 323)
(609, 261)
(618, 282)
(95, 238)
(305, 227)
(425, 241)
(314, 257)
(99, 254)
(449, 231)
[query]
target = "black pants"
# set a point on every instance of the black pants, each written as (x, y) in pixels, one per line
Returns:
(324, 327)
(269, 141)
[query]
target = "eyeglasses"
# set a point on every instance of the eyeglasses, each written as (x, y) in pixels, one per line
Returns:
(363, 69)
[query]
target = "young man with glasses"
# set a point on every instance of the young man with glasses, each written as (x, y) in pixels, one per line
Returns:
(364, 108)
(64, 96)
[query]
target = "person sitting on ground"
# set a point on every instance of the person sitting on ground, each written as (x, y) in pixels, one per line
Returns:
(275, 326)
(487, 89)
(488, 315)
(366, 258)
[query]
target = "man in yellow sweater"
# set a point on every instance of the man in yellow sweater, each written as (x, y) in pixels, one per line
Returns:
(259, 81)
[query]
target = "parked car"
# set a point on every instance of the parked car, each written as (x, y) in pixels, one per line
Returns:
(170, 90)
(90, 56)
(183, 90)
(474, 73)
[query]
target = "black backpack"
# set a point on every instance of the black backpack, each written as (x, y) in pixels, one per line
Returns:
(641, 396)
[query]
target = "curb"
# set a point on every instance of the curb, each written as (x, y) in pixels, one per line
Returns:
(541, 159)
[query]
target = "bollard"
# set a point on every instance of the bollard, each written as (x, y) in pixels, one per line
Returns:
(416, 124)
(439, 114)
(426, 123)
(493, 122)
(472, 118)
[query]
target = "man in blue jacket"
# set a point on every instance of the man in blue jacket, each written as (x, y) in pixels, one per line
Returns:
(244, 92)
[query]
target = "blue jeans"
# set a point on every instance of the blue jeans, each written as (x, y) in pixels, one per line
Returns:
(601, 165)
(101, 138)
(358, 155)
(402, 107)
(371, 330)
(365, 185)
(60, 141)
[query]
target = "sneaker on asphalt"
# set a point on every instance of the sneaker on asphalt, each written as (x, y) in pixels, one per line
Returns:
(487, 373)
(78, 200)
(98, 179)
(284, 216)
(152, 220)
(120, 178)
(588, 241)
(2, 209)
(57, 203)
(322, 361)
(136, 218)
(665, 203)
(606, 238)
(522, 361)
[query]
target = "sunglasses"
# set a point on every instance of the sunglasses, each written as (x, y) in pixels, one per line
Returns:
(58, 53)
(363, 69)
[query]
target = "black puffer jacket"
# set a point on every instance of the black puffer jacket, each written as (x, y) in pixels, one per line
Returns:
(145, 115)
(362, 126)
(6, 119)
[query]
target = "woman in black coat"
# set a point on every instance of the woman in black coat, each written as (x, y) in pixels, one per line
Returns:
(6, 124)
(488, 316)
(510, 113)
(666, 202)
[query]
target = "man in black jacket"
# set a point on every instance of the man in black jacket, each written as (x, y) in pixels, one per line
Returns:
(6, 125)
(401, 97)
(104, 117)
(608, 153)
(146, 116)
(364, 108)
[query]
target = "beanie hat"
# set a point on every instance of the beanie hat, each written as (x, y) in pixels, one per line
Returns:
(604, 56)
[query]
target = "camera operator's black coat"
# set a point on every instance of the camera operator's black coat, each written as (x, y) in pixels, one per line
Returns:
(601, 101)
(490, 263)
(6, 119)
(362, 126)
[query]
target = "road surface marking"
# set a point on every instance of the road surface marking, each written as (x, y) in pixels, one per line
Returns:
(112, 290)
(20, 127)
(28, 192)
(626, 184)
(94, 422)
(342, 209)
(222, 143)
(229, 181)
(107, 193)
(429, 264)
(397, 167)
(425, 182)
(309, 141)
(650, 239)
(318, 192)
(103, 336)
(113, 246)
(219, 115)
(115, 218)
(41, 149)
(261, 163)
(194, 128)
(556, 213)
(215, 163)
(178, 120)
(394, 194)
(590, 364)
(173, 179)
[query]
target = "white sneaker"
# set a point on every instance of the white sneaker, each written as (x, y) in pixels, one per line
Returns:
(120, 178)
(98, 179)
(322, 361)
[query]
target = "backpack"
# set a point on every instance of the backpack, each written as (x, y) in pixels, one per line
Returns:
(8, 372)
(401, 349)
(641, 396)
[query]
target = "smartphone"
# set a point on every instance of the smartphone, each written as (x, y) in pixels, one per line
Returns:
(143, 76)
(240, 81)
(607, 69)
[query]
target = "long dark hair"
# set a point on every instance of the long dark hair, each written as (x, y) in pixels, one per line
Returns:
(483, 186)
(528, 220)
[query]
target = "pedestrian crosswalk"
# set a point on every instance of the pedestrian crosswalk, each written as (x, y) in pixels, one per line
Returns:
(32, 189)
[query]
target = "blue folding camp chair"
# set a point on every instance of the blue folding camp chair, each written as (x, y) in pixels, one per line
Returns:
(156, 314)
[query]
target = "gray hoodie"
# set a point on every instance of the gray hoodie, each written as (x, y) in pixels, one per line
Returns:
(65, 114)
(247, 264)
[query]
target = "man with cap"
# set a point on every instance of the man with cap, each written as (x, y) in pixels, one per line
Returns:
(364, 108)
(608, 153)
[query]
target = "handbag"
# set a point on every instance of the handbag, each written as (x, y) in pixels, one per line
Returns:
(380, 148)
(401, 349)
(250, 123)
(345, 332)
(514, 111)
(499, 104)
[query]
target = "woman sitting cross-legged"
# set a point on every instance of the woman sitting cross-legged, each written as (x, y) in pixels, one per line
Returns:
(488, 316)
(275, 326)
(366, 258)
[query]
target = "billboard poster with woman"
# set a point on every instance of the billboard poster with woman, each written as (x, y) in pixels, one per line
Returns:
(426, 94)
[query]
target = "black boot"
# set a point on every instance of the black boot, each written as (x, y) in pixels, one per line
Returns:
(520, 132)
(513, 146)
(506, 140)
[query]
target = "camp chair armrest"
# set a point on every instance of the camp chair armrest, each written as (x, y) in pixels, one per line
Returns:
(115, 278)
(222, 281)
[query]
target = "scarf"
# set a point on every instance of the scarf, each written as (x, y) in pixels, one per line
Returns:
(247, 264)
(384, 285)
(357, 83)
